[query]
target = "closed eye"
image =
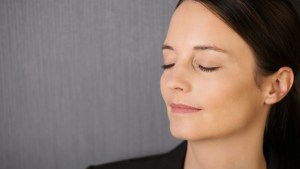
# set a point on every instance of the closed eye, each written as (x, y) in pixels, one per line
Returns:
(167, 66)
(207, 69)
(202, 68)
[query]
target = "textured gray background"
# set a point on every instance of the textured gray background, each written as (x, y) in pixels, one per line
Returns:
(79, 81)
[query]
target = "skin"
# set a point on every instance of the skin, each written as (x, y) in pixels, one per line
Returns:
(217, 77)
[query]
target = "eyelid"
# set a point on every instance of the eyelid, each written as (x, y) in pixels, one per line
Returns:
(167, 66)
(202, 68)
(208, 69)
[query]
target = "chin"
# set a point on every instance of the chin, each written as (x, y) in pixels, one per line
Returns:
(190, 132)
(185, 133)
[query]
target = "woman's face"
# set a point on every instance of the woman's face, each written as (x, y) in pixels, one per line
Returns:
(211, 68)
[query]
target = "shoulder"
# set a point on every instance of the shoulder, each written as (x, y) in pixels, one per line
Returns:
(173, 159)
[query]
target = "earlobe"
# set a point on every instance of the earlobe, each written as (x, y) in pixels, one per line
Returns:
(280, 84)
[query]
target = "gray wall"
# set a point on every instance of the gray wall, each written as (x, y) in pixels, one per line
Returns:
(79, 81)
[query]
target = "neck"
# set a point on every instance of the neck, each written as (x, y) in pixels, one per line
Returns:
(243, 151)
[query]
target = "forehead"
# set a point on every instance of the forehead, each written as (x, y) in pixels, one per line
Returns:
(194, 24)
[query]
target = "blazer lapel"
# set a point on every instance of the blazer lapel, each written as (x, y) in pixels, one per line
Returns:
(175, 158)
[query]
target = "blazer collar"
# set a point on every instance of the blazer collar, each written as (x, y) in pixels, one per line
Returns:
(175, 158)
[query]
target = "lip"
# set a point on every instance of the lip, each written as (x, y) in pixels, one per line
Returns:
(183, 109)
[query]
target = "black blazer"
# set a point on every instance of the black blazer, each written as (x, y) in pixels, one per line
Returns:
(171, 160)
(175, 160)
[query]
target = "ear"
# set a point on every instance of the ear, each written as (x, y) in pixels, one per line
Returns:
(279, 84)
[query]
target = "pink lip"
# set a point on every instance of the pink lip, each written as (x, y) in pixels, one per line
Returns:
(181, 108)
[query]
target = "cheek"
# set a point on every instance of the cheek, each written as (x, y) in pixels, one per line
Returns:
(232, 105)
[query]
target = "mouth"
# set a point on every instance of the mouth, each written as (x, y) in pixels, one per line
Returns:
(181, 108)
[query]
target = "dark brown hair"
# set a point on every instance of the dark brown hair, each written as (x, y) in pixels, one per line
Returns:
(272, 29)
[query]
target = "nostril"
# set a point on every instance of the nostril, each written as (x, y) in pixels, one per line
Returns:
(178, 81)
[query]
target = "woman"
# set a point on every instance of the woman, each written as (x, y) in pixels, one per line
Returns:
(228, 85)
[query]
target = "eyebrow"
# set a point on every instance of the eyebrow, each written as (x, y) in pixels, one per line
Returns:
(198, 47)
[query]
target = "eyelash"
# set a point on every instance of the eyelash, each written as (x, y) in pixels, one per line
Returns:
(207, 69)
(167, 66)
(202, 68)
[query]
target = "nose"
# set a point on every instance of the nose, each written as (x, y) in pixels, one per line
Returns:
(179, 80)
